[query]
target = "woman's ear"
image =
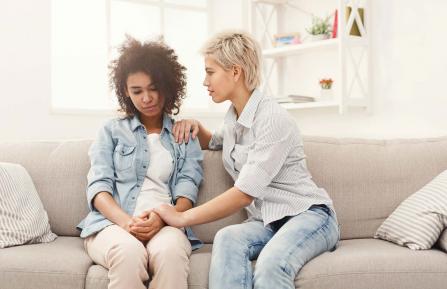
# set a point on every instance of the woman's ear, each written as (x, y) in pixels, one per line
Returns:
(237, 72)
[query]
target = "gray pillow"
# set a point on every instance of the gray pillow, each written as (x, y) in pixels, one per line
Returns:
(23, 220)
(419, 220)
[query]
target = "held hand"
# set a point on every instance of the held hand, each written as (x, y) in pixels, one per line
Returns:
(131, 222)
(170, 215)
(183, 128)
(147, 228)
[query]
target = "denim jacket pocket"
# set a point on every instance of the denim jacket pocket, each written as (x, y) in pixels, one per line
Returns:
(123, 157)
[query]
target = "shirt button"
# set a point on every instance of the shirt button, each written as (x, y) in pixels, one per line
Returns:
(133, 198)
(144, 167)
(145, 151)
(144, 137)
(138, 186)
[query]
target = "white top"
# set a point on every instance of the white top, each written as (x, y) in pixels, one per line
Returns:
(155, 189)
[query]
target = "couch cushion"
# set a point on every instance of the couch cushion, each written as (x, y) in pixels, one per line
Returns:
(59, 172)
(374, 264)
(199, 264)
(215, 181)
(61, 264)
(368, 179)
(97, 278)
(419, 220)
(23, 219)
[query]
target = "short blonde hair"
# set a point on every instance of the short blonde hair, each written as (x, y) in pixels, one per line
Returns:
(236, 48)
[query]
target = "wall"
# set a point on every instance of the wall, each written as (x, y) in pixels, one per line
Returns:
(25, 77)
(409, 69)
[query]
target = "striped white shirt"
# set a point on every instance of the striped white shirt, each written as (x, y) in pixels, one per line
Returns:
(263, 153)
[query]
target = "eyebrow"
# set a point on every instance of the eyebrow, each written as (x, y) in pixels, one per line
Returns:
(150, 84)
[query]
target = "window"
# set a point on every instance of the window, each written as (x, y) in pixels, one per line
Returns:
(85, 35)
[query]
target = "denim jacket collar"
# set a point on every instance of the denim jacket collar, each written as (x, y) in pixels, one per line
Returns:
(136, 123)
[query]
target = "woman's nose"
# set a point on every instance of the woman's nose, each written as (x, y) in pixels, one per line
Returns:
(146, 97)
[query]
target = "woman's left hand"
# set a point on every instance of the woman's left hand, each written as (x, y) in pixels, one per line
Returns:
(146, 229)
(170, 215)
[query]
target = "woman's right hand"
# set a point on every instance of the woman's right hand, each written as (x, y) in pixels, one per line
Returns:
(184, 129)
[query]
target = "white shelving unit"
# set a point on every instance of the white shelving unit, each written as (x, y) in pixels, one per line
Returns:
(353, 61)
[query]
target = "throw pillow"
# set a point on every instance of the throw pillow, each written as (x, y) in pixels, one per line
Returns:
(419, 220)
(442, 242)
(23, 220)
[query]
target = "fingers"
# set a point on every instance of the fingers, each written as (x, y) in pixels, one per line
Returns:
(187, 131)
(181, 135)
(146, 236)
(195, 131)
(145, 214)
(184, 129)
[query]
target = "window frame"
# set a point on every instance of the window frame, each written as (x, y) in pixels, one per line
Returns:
(207, 112)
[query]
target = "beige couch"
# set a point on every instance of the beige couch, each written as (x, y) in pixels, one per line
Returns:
(367, 179)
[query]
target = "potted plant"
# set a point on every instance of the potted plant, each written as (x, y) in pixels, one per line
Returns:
(326, 88)
(320, 29)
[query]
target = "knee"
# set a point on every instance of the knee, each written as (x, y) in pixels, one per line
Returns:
(227, 237)
(174, 247)
(268, 265)
(131, 252)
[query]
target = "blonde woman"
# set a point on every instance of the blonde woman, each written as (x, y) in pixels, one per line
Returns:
(290, 220)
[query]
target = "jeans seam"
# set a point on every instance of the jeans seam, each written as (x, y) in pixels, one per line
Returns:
(324, 225)
(247, 257)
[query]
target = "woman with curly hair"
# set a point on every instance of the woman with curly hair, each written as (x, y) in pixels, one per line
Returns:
(136, 166)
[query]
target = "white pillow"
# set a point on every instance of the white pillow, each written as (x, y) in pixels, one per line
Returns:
(23, 220)
(419, 220)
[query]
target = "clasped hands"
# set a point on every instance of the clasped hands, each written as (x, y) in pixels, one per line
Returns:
(150, 222)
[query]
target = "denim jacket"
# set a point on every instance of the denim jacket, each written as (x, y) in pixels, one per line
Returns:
(119, 161)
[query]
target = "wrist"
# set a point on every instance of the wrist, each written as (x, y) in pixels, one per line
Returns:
(186, 218)
(124, 223)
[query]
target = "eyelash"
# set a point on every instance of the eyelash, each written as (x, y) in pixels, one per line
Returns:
(140, 91)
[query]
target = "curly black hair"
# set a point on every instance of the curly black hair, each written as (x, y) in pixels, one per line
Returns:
(157, 60)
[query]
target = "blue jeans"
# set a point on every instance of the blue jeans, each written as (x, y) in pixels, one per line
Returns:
(281, 249)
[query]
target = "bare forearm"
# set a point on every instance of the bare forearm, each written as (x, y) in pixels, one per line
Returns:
(182, 204)
(220, 207)
(204, 136)
(107, 206)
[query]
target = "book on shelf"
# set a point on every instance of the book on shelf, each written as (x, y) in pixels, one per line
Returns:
(335, 25)
(295, 98)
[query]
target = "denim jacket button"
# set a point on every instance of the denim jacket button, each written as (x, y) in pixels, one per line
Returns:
(144, 167)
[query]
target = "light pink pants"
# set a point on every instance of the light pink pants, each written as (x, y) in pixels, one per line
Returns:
(127, 259)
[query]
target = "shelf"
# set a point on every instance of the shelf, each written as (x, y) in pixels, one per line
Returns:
(272, 2)
(295, 49)
(290, 106)
(351, 67)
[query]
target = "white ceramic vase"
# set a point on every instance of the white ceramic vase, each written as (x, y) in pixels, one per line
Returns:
(318, 37)
(326, 94)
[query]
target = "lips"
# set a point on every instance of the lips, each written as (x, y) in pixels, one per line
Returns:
(150, 107)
